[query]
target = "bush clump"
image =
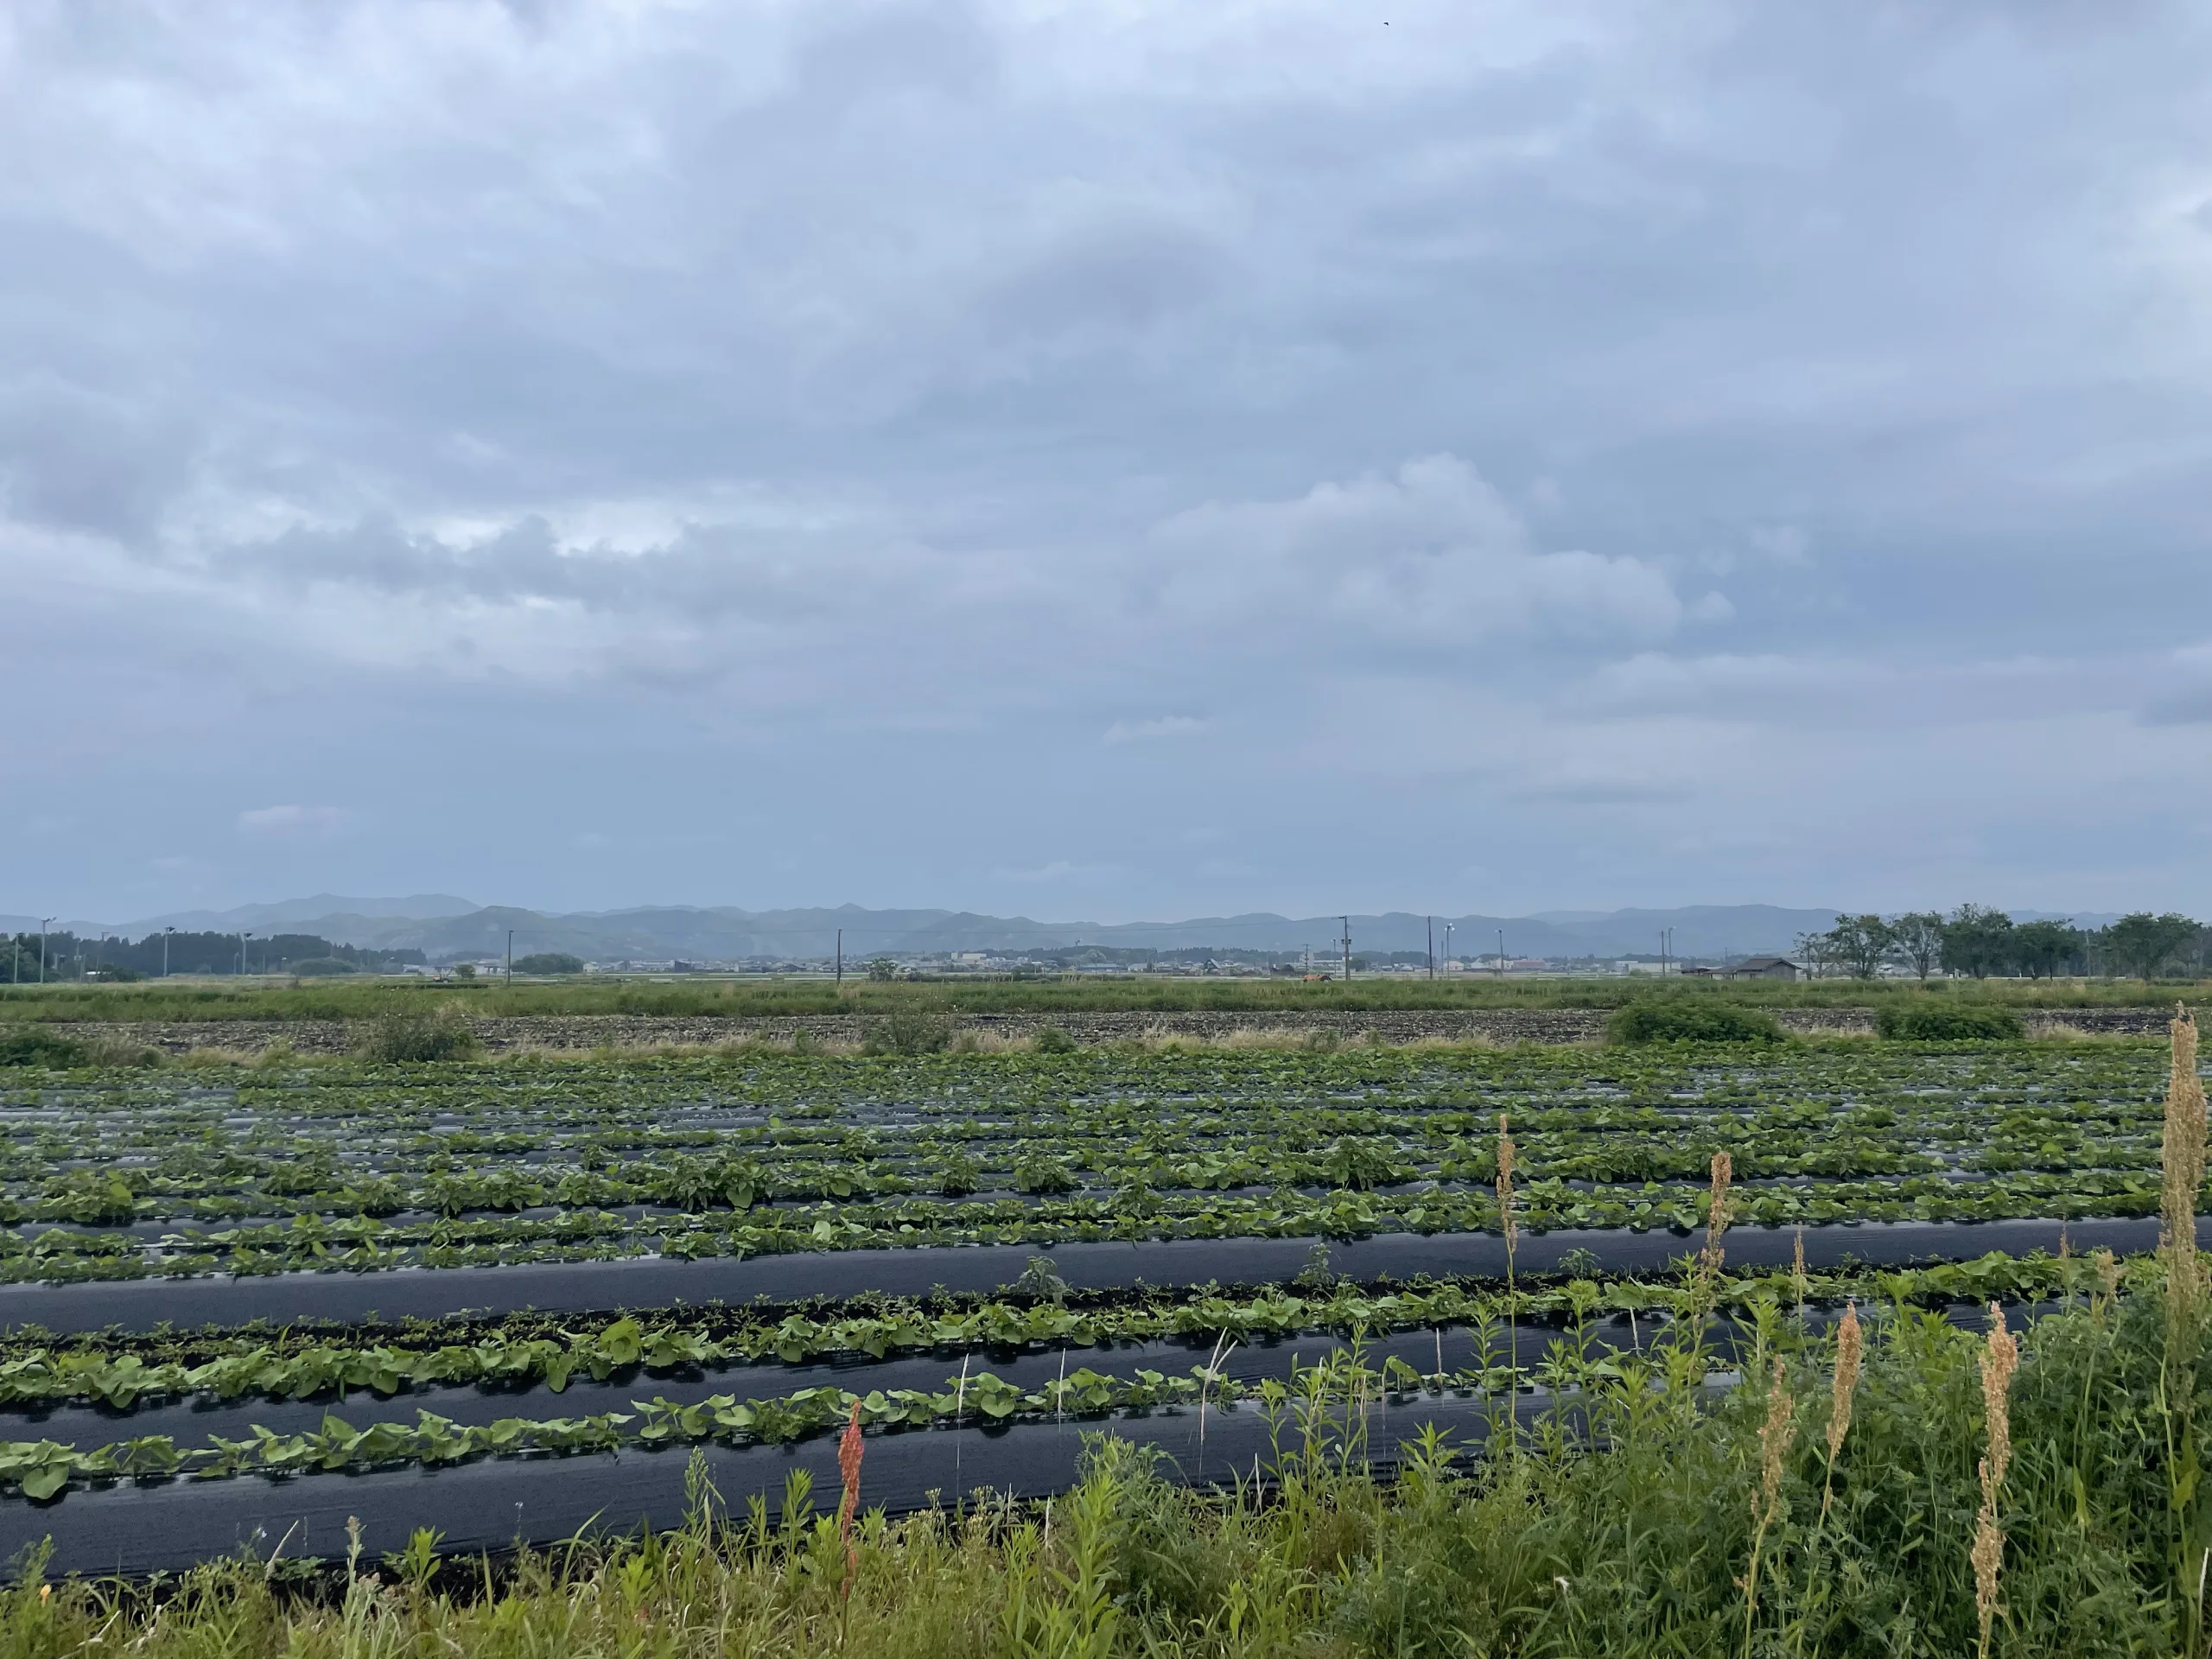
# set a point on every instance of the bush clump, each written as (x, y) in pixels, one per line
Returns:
(1951, 1024)
(36, 1046)
(549, 962)
(1054, 1040)
(406, 1036)
(910, 1030)
(1688, 1019)
(41, 1046)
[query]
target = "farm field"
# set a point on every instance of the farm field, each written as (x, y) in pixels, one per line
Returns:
(154, 1443)
(361, 1168)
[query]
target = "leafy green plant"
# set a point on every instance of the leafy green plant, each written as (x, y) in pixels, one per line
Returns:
(413, 1035)
(910, 1029)
(1691, 1019)
(549, 962)
(1948, 1022)
(40, 1045)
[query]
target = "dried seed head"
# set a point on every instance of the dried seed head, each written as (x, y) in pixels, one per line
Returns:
(1717, 1214)
(1988, 1556)
(2182, 1159)
(1505, 1180)
(2000, 1360)
(2107, 1272)
(1848, 1340)
(849, 1449)
(1774, 1445)
(1797, 1262)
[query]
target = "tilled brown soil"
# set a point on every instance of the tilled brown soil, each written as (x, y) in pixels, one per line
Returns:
(641, 1031)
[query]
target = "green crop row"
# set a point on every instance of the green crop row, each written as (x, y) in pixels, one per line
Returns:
(94, 1372)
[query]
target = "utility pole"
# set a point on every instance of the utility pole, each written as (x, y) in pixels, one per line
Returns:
(1447, 941)
(1431, 947)
(841, 958)
(242, 936)
(1347, 922)
(165, 951)
(511, 958)
(1501, 953)
(44, 922)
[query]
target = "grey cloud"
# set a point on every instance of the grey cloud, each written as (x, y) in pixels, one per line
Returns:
(903, 397)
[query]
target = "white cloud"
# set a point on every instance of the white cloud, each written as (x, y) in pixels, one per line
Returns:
(1429, 555)
(291, 822)
(1060, 872)
(1148, 731)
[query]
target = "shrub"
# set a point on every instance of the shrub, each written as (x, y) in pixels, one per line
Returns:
(1054, 1040)
(549, 962)
(1688, 1020)
(36, 1046)
(121, 1050)
(1954, 1024)
(910, 1031)
(409, 1035)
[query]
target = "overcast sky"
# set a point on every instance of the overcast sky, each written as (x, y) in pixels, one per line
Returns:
(1107, 460)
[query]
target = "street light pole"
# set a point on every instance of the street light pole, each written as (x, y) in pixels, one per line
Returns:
(45, 922)
(1346, 921)
(165, 951)
(841, 959)
(1431, 947)
(511, 958)
(242, 936)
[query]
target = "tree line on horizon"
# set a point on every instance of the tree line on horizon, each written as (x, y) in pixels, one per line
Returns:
(67, 956)
(1979, 942)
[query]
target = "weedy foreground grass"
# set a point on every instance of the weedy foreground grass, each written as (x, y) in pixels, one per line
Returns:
(1840, 1507)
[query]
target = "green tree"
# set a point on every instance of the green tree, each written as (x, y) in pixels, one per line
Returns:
(1919, 937)
(2143, 944)
(2041, 950)
(1859, 944)
(1977, 940)
(549, 962)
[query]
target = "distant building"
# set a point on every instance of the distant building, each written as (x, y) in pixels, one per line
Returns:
(1762, 967)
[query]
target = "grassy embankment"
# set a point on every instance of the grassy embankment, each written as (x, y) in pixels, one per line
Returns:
(200, 1000)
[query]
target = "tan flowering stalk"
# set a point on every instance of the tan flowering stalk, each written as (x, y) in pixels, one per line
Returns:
(1842, 1389)
(1512, 1235)
(1505, 1188)
(849, 1448)
(1797, 1274)
(1767, 1505)
(1710, 1258)
(2182, 1158)
(1716, 1221)
(2000, 1359)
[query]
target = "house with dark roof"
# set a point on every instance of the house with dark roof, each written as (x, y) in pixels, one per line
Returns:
(1762, 967)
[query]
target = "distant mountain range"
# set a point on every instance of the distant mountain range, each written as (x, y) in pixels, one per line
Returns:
(445, 928)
